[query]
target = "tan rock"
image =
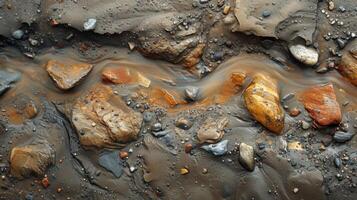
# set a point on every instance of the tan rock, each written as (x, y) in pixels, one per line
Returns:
(66, 76)
(211, 130)
(262, 100)
(101, 124)
(32, 159)
(322, 105)
(348, 67)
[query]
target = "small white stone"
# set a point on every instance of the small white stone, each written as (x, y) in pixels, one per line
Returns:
(132, 169)
(296, 190)
(90, 24)
(306, 55)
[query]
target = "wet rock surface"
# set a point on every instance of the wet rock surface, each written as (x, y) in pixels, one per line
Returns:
(32, 159)
(322, 105)
(175, 105)
(66, 76)
(263, 102)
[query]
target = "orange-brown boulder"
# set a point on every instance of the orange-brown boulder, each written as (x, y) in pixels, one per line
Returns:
(321, 103)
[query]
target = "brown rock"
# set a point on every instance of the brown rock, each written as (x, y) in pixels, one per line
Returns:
(262, 100)
(211, 130)
(294, 112)
(101, 124)
(66, 76)
(31, 159)
(194, 56)
(123, 154)
(348, 67)
(188, 147)
(45, 182)
(321, 103)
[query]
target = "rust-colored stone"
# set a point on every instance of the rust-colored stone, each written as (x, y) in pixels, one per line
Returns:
(45, 182)
(123, 154)
(118, 75)
(294, 112)
(322, 105)
(194, 56)
(188, 147)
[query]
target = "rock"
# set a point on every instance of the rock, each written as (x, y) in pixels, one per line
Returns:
(194, 56)
(212, 130)
(184, 171)
(31, 159)
(119, 75)
(7, 78)
(161, 133)
(218, 149)
(111, 162)
(262, 101)
(348, 67)
(66, 76)
(192, 93)
(156, 127)
(246, 156)
(90, 24)
(18, 34)
(183, 123)
(306, 55)
(337, 162)
(101, 124)
(305, 125)
(188, 147)
(266, 13)
(341, 43)
(342, 137)
(322, 105)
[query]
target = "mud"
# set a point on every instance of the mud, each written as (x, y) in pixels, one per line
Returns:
(162, 113)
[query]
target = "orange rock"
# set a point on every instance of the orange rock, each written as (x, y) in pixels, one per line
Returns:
(123, 154)
(188, 147)
(294, 112)
(45, 182)
(348, 67)
(66, 76)
(321, 103)
(238, 78)
(118, 75)
(262, 100)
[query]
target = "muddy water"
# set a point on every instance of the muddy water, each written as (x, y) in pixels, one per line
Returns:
(158, 161)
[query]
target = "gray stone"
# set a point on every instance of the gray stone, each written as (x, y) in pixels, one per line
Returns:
(7, 78)
(266, 13)
(246, 156)
(161, 133)
(18, 34)
(218, 149)
(342, 137)
(90, 24)
(192, 93)
(111, 162)
(156, 127)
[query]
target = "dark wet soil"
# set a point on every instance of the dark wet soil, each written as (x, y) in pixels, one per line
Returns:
(183, 65)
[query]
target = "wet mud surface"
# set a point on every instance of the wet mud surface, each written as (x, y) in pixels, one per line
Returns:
(182, 99)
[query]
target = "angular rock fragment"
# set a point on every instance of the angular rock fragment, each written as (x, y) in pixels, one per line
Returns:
(31, 159)
(218, 149)
(262, 100)
(306, 55)
(7, 78)
(101, 124)
(348, 67)
(66, 76)
(322, 105)
(246, 156)
(212, 130)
